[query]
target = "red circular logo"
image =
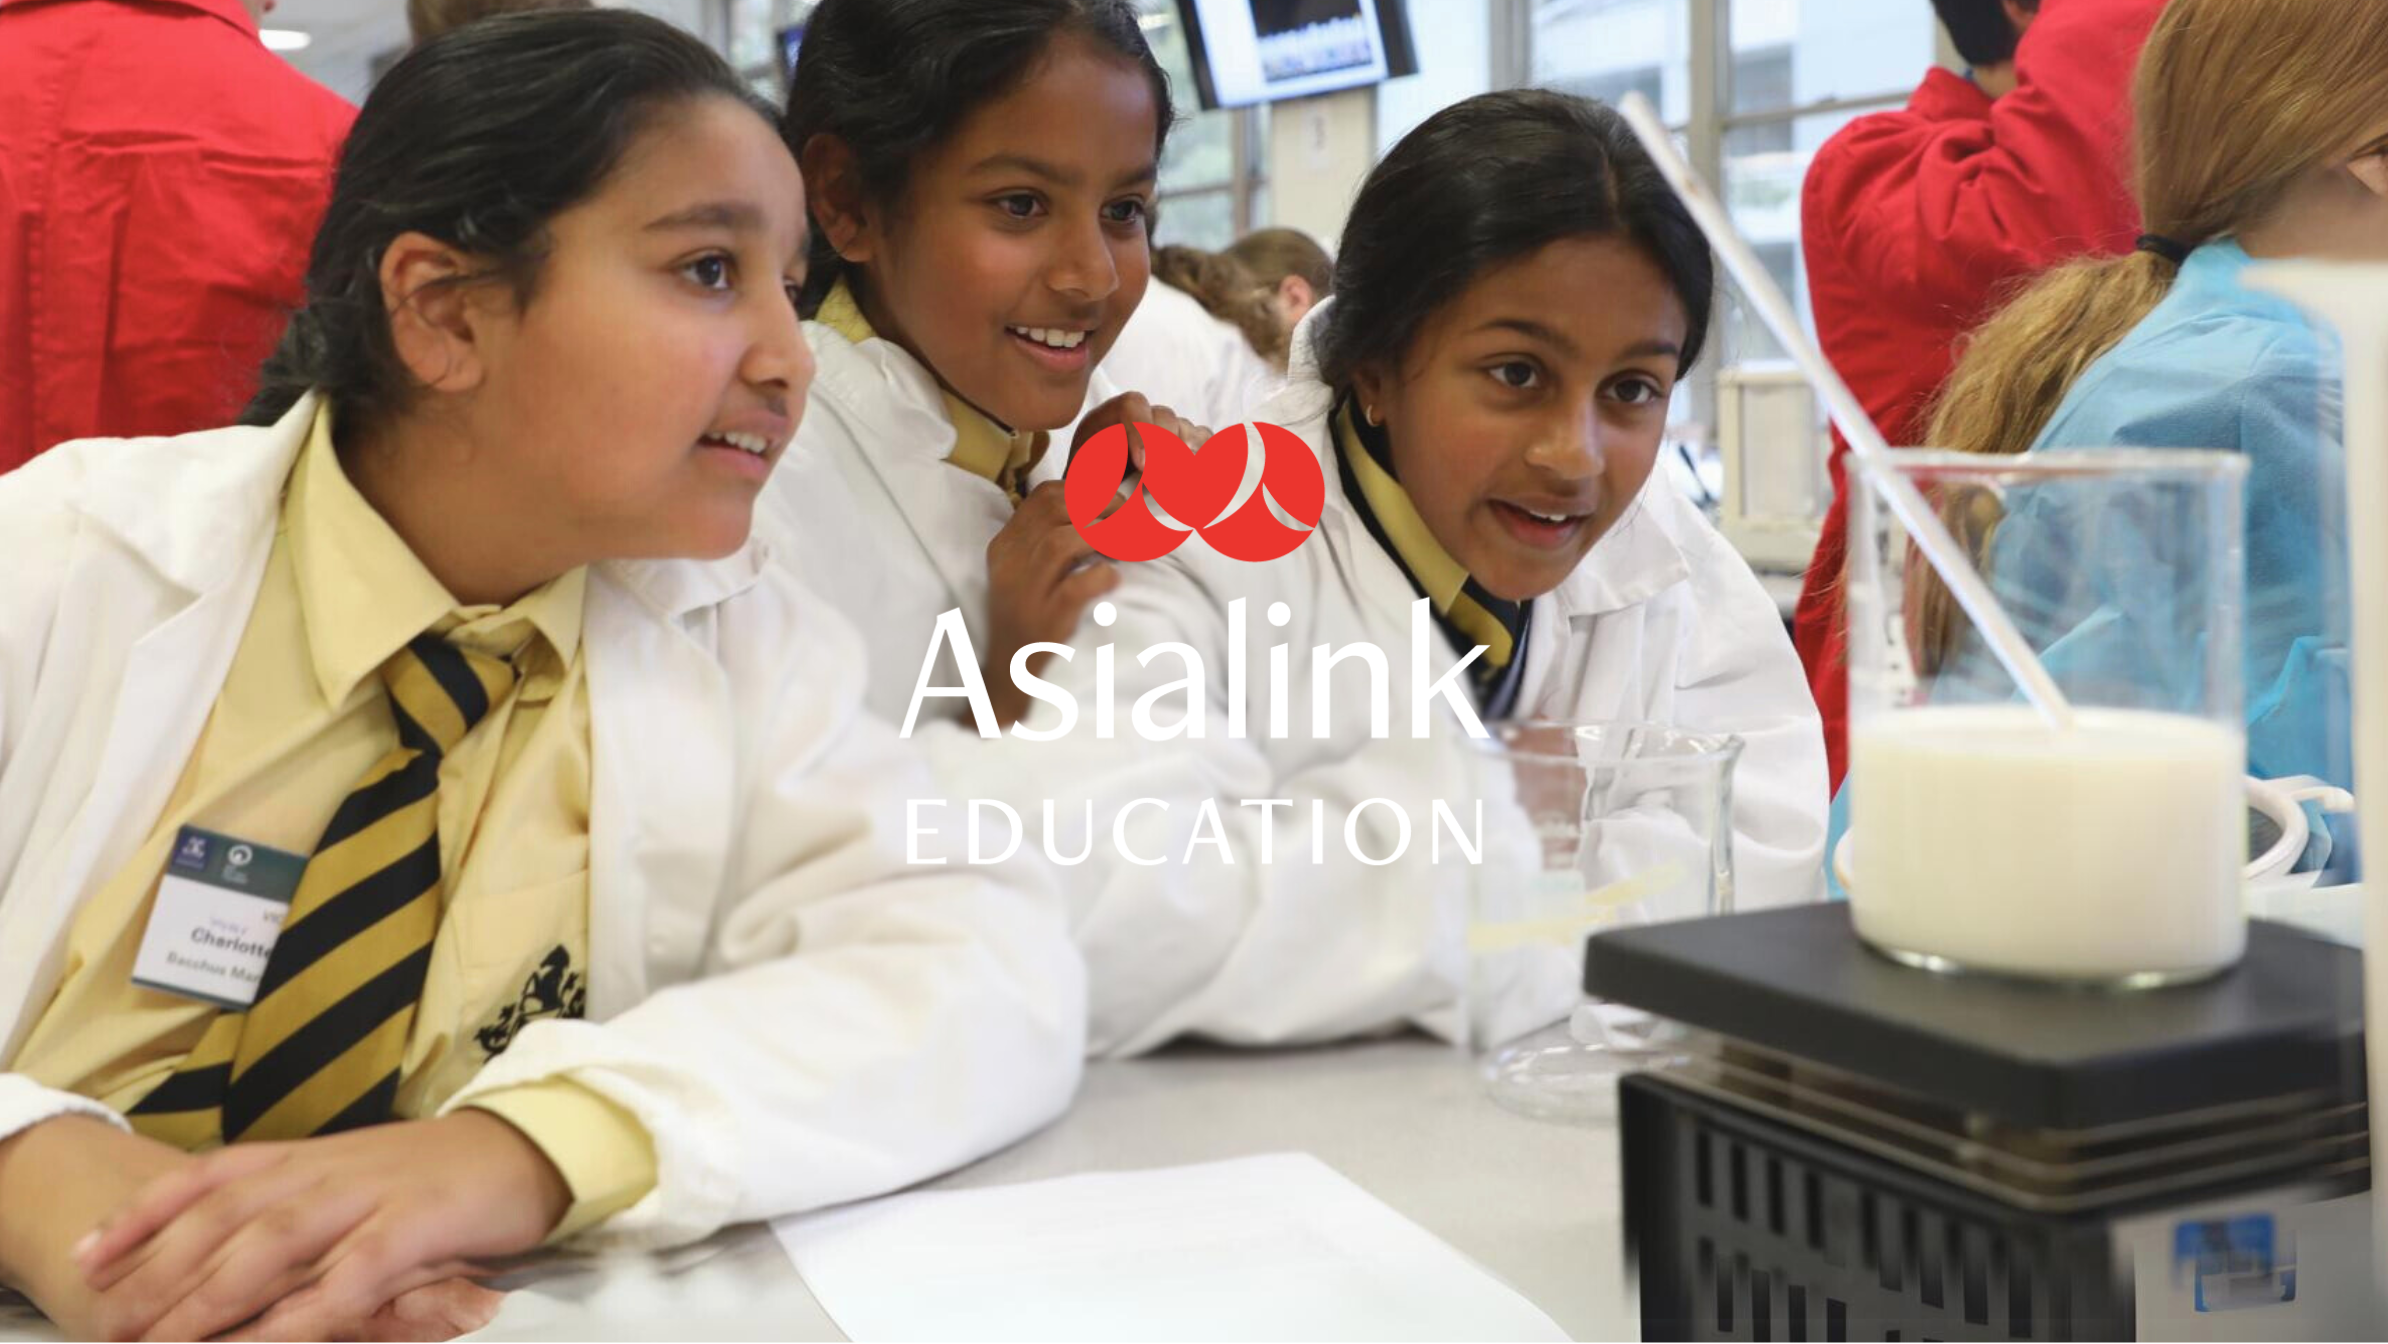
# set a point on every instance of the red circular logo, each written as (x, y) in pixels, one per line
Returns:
(1196, 489)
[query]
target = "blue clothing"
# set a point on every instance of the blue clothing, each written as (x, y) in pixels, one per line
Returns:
(2215, 366)
(2218, 365)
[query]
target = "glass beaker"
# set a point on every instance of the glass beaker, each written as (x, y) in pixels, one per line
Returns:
(1603, 824)
(1979, 837)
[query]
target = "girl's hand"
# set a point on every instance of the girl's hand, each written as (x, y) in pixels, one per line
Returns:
(1041, 577)
(1131, 408)
(302, 1240)
(58, 1180)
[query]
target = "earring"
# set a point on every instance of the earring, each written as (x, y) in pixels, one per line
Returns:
(1368, 413)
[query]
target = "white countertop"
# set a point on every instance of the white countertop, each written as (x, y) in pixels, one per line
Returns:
(1536, 1204)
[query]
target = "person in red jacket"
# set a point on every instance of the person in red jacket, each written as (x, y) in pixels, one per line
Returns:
(1916, 221)
(161, 174)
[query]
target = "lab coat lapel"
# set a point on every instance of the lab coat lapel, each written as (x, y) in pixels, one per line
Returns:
(1618, 582)
(204, 581)
(662, 774)
(898, 415)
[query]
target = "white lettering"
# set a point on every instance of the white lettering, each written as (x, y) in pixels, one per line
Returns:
(1268, 825)
(951, 631)
(913, 830)
(1035, 687)
(1188, 724)
(1119, 833)
(1322, 678)
(1235, 669)
(1444, 814)
(1450, 687)
(1351, 832)
(1051, 829)
(1011, 820)
(1218, 835)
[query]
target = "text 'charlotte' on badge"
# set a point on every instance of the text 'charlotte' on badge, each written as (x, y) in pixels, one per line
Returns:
(218, 912)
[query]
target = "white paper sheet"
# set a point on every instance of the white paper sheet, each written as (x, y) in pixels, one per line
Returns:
(1278, 1247)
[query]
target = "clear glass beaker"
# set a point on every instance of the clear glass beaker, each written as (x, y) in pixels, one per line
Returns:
(1604, 824)
(1981, 838)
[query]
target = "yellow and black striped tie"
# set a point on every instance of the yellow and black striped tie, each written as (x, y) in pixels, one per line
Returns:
(319, 1049)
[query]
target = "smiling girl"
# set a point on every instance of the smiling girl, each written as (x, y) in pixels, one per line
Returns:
(591, 926)
(1517, 296)
(982, 177)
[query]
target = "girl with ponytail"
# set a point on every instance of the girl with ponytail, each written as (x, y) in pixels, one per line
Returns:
(2263, 134)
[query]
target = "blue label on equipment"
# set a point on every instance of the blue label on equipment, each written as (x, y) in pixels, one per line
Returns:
(2236, 1264)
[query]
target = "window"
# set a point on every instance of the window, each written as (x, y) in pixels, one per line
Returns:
(1607, 48)
(753, 28)
(1788, 74)
(1454, 44)
(1208, 171)
(1800, 70)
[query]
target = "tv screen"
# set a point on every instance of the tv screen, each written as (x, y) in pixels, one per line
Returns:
(1257, 51)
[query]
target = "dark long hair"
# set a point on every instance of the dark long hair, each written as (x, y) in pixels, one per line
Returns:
(477, 138)
(1490, 180)
(892, 78)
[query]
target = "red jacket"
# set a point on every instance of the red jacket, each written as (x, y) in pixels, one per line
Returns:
(1915, 221)
(161, 176)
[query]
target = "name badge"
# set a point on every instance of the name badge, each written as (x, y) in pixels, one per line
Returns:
(218, 913)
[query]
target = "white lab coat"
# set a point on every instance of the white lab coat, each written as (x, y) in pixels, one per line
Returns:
(867, 513)
(1179, 356)
(1662, 623)
(795, 1016)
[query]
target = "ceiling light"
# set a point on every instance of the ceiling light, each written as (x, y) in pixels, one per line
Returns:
(284, 39)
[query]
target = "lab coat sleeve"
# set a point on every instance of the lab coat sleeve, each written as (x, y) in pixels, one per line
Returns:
(37, 530)
(1944, 211)
(861, 1022)
(1737, 673)
(1203, 915)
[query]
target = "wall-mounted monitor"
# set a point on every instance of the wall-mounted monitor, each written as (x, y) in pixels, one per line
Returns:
(1257, 51)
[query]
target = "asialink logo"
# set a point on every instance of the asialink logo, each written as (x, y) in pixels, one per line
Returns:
(1198, 493)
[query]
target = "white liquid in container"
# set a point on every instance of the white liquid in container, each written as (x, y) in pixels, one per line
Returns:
(2108, 851)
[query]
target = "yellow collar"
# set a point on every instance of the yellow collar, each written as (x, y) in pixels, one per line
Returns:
(1439, 576)
(1443, 580)
(982, 447)
(363, 593)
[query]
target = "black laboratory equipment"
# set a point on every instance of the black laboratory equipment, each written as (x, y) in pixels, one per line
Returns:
(1847, 1148)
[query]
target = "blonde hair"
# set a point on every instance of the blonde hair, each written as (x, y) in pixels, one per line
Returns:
(2236, 101)
(1226, 291)
(1273, 254)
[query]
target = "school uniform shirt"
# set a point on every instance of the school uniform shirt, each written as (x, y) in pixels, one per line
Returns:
(1913, 222)
(1662, 622)
(885, 503)
(1178, 355)
(774, 1010)
(301, 718)
(161, 177)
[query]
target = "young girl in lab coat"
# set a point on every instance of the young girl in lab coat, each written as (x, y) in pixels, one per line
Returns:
(982, 176)
(2263, 133)
(603, 915)
(1517, 295)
